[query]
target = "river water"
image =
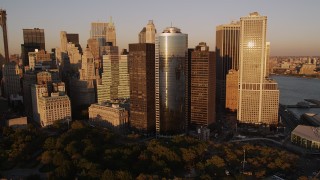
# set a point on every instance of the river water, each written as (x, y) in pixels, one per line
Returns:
(295, 89)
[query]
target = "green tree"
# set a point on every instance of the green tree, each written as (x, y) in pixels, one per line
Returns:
(123, 175)
(107, 175)
(49, 143)
(46, 157)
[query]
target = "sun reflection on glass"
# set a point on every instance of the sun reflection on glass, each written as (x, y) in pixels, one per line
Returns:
(250, 44)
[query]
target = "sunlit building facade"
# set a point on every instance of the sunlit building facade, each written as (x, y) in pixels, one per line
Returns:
(108, 88)
(99, 31)
(124, 85)
(232, 90)
(109, 115)
(111, 33)
(39, 59)
(54, 108)
(258, 96)
(171, 82)
(148, 33)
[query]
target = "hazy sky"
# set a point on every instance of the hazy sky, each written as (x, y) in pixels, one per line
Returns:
(293, 25)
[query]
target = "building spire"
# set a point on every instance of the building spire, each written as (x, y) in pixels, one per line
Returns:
(110, 20)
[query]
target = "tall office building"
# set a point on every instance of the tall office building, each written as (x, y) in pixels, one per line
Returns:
(83, 89)
(11, 79)
(148, 33)
(33, 39)
(87, 70)
(35, 77)
(4, 50)
(93, 45)
(111, 33)
(258, 96)
(66, 38)
(108, 88)
(42, 90)
(99, 32)
(73, 56)
(227, 55)
(202, 86)
(124, 85)
(142, 89)
(171, 82)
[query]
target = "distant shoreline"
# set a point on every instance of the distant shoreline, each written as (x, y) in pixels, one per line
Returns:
(297, 76)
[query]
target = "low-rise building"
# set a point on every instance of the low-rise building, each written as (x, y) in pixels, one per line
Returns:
(306, 136)
(20, 122)
(203, 133)
(308, 69)
(109, 115)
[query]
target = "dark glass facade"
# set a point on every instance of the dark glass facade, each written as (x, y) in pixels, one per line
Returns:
(227, 56)
(142, 86)
(171, 82)
(33, 39)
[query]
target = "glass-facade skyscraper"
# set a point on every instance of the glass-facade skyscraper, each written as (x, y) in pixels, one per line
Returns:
(227, 55)
(99, 31)
(33, 39)
(142, 89)
(171, 82)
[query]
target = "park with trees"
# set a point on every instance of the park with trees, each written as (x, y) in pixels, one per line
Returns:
(86, 152)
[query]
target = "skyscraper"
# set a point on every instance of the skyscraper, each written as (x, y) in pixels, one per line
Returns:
(171, 82)
(227, 55)
(83, 89)
(33, 39)
(111, 33)
(4, 51)
(11, 79)
(108, 89)
(258, 96)
(87, 71)
(202, 86)
(99, 32)
(66, 38)
(124, 85)
(93, 45)
(148, 33)
(142, 89)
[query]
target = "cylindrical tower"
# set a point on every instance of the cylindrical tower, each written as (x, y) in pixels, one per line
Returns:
(171, 82)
